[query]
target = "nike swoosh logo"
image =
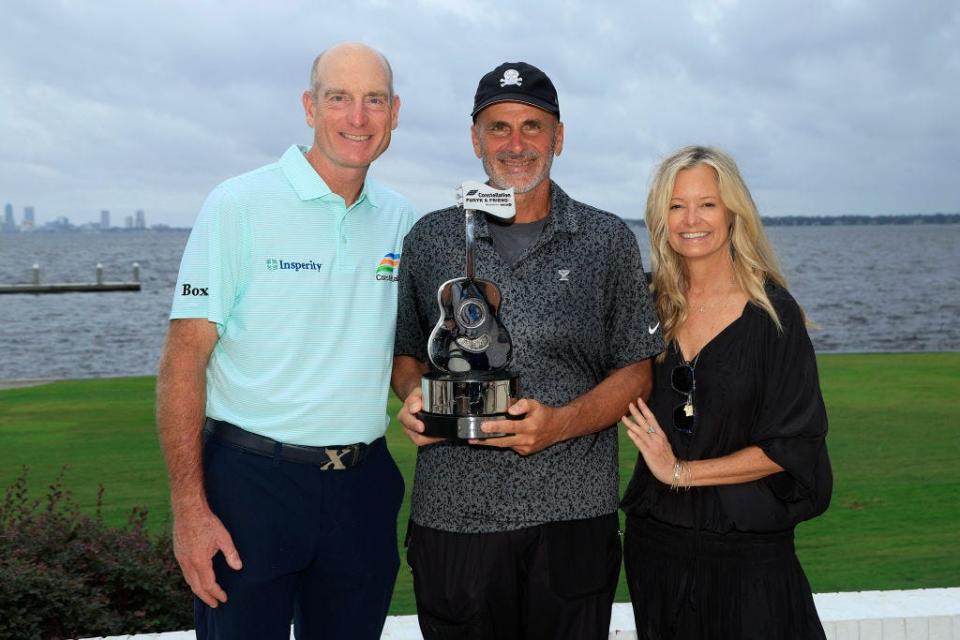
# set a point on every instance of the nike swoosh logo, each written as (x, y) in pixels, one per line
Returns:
(653, 329)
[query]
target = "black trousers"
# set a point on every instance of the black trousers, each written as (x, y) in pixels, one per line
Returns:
(689, 585)
(319, 547)
(550, 582)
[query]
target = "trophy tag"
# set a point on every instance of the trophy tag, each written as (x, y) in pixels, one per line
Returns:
(477, 196)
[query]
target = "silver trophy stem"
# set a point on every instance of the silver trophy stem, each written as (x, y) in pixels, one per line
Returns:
(471, 239)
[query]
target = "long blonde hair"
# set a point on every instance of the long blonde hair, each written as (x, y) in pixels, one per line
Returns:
(754, 261)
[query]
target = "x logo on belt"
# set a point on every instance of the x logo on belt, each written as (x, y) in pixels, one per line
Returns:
(336, 455)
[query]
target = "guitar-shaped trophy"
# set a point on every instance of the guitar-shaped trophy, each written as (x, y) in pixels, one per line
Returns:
(470, 349)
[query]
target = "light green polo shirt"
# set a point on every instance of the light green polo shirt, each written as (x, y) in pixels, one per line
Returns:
(303, 292)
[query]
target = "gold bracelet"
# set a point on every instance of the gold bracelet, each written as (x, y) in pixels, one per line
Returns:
(677, 472)
(681, 475)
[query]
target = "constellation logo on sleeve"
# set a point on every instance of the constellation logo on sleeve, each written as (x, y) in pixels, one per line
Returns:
(388, 267)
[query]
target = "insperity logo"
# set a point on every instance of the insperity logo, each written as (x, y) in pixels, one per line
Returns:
(273, 264)
(388, 267)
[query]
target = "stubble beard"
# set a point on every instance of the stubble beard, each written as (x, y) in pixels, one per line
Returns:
(501, 182)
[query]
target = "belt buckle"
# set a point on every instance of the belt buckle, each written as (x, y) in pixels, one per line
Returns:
(336, 457)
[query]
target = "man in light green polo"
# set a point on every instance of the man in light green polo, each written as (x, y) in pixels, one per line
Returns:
(271, 397)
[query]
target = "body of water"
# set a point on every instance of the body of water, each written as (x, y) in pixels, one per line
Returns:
(869, 288)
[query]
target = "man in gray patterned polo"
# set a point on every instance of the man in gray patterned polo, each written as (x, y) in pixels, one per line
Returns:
(517, 537)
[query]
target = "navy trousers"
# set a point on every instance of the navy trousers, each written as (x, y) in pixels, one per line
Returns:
(319, 547)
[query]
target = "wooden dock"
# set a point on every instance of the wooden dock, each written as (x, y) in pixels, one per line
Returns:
(74, 287)
(69, 287)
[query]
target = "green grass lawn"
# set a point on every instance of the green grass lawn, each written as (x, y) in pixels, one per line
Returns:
(894, 521)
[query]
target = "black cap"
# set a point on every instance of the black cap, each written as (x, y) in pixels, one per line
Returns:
(516, 82)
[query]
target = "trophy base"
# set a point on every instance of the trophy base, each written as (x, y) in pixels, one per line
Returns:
(459, 427)
(456, 405)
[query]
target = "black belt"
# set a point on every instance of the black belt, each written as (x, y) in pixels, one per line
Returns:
(332, 458)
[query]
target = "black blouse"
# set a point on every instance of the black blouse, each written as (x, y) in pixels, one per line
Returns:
(754, 386)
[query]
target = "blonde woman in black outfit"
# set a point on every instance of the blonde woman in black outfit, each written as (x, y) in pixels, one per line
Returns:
(732, 451)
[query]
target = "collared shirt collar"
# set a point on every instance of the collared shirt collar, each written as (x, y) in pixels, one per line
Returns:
(307, 182)
(561, 218)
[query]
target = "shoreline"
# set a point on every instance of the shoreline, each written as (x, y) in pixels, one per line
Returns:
(17, 383)
(28, 382)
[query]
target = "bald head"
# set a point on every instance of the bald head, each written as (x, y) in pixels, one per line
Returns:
(347, 54)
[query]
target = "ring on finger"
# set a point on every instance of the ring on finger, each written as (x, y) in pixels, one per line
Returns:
(651, 429)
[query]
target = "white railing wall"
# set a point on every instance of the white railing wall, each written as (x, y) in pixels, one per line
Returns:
(920, 614)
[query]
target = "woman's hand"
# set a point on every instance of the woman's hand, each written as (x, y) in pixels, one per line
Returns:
(645, 431)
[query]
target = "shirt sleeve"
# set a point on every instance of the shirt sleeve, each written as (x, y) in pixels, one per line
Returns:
(410, 337)
(632, 327)
(792, 424)
(208, 282)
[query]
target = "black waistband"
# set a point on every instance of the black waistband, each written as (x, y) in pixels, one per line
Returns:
(330, 458)
(679, 540)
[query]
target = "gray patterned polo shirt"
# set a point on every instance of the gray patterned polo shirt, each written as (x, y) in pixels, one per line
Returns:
(576, 306)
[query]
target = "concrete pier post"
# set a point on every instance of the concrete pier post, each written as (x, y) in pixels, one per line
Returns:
(36, 273)
(136, 272)
(99, 273)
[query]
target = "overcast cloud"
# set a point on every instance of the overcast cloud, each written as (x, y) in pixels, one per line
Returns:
(832, 107)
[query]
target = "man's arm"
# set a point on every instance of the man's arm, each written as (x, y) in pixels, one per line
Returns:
(597, 409)
(181, 398)
(405, 381)
(405, 376)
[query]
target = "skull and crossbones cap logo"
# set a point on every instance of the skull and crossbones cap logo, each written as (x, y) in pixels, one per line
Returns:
(516, 82)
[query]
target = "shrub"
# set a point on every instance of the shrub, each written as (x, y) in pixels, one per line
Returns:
(64, 574)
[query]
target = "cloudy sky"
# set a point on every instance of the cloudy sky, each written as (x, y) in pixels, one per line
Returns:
(830, 107)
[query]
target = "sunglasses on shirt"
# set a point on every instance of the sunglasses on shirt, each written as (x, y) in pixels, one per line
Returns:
(683, 381)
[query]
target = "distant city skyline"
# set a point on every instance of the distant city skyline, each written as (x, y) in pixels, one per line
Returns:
(137, 220)
(28, 221)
